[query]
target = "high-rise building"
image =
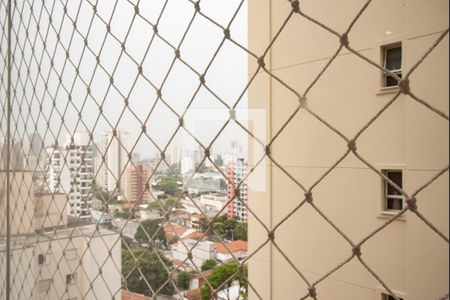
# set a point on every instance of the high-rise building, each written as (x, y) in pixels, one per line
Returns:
(16, 158)
(236, 173)
(137, 186)
(407, 142)
(113, 161)
(70, 171)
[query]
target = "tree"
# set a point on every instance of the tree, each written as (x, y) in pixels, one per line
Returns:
(164, 206)
(209, 265)
(146, 272)
(148, 229)
(168, 185)
(184, 280)
(225, 276)
(241, 231)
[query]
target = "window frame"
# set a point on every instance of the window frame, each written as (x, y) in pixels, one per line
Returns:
(47, 282)
(71, 279)
(385, 187)
(382, 293)
(384, 56)
(46, 259)
(69, 257)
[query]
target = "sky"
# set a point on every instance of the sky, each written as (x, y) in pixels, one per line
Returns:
(226, 77)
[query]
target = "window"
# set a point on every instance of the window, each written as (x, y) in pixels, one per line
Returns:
(388, 297)
(43, 259)
(44, 285)
(71, 254)
(71, 278)
(393, 199)
(392, 56)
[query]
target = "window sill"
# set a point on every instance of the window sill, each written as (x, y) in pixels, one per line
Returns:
(388, 215)
(388, 90)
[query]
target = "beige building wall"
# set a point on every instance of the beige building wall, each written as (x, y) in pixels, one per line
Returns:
(408, 255)
(137, 184)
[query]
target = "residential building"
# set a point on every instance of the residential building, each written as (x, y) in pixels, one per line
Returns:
(70, 171)
(47, 254)
(203, 251)
(137, 186)
(114, 160)
(213, 202)
(232, 251)
(236, 174)
(407, 142)
(16, 156)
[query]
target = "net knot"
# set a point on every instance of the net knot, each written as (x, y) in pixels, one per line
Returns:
(344, 40)
(412, 204)
(404, 86)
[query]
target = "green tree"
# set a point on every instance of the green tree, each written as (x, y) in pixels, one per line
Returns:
(164, 206)
(146, 271)
(209, 265)
(225, 276)
(168, 185)
(149, 228)
(184, 280)
(241, 231)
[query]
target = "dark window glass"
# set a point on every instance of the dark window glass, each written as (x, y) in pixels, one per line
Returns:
(397, 178)
(394, 58)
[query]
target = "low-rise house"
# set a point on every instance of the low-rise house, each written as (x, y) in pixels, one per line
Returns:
(202, 252)
(238, 249)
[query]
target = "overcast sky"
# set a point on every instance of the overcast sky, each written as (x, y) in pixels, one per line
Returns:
(227, 75)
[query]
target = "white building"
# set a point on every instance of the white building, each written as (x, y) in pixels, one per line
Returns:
(112, 160)
(64, 264)
(236, 175)
(204, 251)
(212, 202)
(187, 165)
(70, 171)
(50, 260)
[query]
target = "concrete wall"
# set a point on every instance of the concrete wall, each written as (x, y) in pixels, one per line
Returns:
(409, 256)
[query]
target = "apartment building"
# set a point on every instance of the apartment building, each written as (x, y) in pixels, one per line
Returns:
(407, 142)
(70, 171)
(49, 259)
(236, 173)
(137, 184)
(113, 158)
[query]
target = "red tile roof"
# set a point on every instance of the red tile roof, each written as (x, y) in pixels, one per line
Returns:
(126, 295)
(174, 231)
(199, 216)
(194, 236)
(235, 246)
(193, 294)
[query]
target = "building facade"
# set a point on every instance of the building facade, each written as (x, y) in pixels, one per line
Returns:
(236, 173)
(407, 142)
(114, 158)
(49, 259)
(137, 186)
(71, 171)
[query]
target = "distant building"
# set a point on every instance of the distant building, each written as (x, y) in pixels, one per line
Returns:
(16, 157)
(231, 251)
(236, 173)
(137, 185)
(113, 158)
(70, 171)
(202, 252)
